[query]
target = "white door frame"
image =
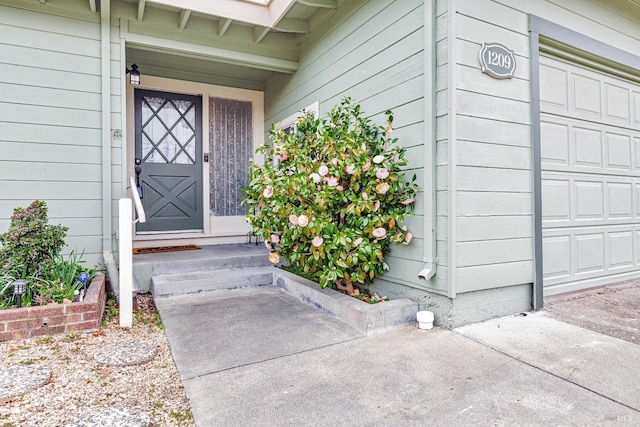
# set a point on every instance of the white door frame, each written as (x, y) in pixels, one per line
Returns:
(236, 228)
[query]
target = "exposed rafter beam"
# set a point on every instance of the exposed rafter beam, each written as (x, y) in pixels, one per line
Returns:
(298, 26)
(141, 4)
(184, 17)
(222, 29)
(259, 33)
(92, 6)
(329, 4)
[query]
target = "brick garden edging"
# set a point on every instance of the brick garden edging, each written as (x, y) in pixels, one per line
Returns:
(52, 319)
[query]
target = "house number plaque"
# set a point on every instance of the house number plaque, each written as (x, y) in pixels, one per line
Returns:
(497, 60)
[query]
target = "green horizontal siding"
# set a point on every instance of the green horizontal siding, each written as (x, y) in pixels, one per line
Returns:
(50, 118)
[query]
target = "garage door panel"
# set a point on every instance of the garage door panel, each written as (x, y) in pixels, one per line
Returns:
(621, 249)
(588, 196)
(617, 103)
(555, 143)
(579, 257)
(556, 200)
(588, 200)
(589, 253)
(557, 257)
(554, 89)
(574, 91)
(588, 147)
(620, 200)
(586, 95)
(619, 151)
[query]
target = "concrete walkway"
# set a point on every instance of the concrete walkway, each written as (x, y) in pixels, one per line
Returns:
(259, 357)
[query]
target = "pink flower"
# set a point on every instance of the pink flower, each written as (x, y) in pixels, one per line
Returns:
(332, 181)
(339, 188)
(317, 241)
(274, 257)
(267, 244)
(407, 239)
(334, 161)
(315, 177)
(268, 192)
(293, 219)
(303, 221)
(382, 173)
(382, 188)
(379, 233)
(323, 170)
(357, 241)
(366, 167)
(408, 201)
(275, 238)
(365, 196)
(378, 159)
(351, 169)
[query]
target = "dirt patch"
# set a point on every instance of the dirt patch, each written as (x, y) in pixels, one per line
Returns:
(611, 310)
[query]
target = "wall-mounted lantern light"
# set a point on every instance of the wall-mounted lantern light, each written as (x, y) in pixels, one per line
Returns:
(134, 75)
(19, 288)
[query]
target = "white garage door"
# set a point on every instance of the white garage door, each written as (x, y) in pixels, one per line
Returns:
(590, 146)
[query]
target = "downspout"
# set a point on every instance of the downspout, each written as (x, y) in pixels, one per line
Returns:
(430, 253)
(105, 62)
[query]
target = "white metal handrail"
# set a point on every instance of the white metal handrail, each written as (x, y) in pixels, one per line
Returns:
(125, 224)
(137, 202)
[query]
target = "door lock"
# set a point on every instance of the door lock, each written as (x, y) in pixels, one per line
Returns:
(206, 157)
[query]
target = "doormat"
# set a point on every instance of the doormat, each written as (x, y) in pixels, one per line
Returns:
(160, 249)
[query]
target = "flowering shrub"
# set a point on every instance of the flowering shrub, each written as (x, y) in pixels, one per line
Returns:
(333, 202)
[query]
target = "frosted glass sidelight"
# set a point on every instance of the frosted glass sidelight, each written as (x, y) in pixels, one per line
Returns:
(230, 147)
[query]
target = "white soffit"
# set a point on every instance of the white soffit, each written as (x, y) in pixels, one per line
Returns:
(254, 12)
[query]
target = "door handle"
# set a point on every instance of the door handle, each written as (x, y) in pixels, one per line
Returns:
(138, 170)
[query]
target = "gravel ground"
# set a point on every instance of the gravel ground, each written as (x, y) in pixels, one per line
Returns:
(80, 386)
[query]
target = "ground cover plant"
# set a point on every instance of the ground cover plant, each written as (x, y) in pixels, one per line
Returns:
(31, 250)
(330, 197)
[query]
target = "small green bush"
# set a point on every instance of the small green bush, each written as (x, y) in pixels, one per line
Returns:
(31, 240)
(333, 203)
(31, 250)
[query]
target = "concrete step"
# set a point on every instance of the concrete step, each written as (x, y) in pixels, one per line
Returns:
(165, 285)
(209, 258)
(221, 262)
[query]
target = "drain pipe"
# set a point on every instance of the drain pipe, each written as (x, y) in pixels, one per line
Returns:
(430, 254)
(105, 58)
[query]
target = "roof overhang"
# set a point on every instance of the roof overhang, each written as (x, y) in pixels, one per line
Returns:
(265, 15)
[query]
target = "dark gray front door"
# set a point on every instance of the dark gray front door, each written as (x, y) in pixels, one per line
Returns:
(168, 150)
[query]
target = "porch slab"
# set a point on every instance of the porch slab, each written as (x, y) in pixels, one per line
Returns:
(399, 377)
(216, 331)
